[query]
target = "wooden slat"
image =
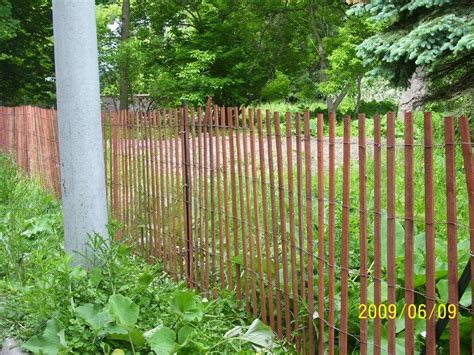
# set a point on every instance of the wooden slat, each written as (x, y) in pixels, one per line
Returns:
(187, 190)
(150, 188)
(180, 221)
(377, 233)
(300, 199)
(156, 183)
(256, 213)
(332, 231)
(194, 195)
(291, 217)
(206, 157)
(243, 219)
(212, 175)
(250, 238)
(162, 137)
(309, 231)
(345, 237)
(468, 157)
(363, 230)
(199, 251)
(235, 229)
(226, 199)
(276, 249)
(271, 311)
(321, 252)
(219, 200)
(450, 148)
(136, 179)
(284, 248)
(391, 236)
(409, 231)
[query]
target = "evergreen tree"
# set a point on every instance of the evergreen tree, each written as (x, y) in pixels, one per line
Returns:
(436, 35)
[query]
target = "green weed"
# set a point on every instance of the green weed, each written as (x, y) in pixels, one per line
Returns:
(123, 305)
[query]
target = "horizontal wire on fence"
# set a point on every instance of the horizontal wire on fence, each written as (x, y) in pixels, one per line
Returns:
(357, 209)
(338, 141)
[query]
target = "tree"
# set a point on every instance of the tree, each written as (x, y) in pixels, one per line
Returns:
(323, 23)
(324, 40)
(345, 70)
(434, 35)
(26, 52)
(108, 39)
(8, 25)
(235, 51)
(124, 64)
(192, 49)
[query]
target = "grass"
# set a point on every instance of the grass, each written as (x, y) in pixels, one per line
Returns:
(139, 306)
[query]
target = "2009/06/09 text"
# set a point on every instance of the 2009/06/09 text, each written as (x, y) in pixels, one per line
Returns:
(420, 311)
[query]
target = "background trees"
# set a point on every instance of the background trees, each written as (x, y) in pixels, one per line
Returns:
(26, 52)
(250, 50)
(242, 51)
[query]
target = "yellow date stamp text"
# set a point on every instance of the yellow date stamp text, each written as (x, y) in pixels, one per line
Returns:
(413, 311)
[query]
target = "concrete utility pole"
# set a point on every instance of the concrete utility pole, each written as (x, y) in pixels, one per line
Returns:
(80, 129)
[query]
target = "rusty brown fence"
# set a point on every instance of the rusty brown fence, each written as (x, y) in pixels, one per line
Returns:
(348, 235)
(30, 135)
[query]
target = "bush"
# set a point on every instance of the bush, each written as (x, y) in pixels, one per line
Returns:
(370, 108)
(277, 89)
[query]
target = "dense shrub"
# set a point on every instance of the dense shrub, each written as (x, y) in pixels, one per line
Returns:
(277, 89)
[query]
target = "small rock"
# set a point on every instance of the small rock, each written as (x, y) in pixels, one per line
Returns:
(10, 348)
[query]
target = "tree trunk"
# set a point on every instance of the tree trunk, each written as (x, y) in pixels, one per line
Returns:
(330, 104)
(123, 67)
(334, 102)
(412, 97)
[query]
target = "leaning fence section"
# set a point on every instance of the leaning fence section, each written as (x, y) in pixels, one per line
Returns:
(30, 135)
(342, 233)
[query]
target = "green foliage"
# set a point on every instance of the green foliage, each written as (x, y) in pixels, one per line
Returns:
(162, 341)
(371, 108)
(108, 36)
(345, 67)
(424, 44)
(234, 51)
(165, 341)
(8, 25)
(116, 321)
(189, 309)
(259, 334)
(115, 308)
(51, 342)
(245, 51)
(123, 311)
(94, 315)
(184, 303)
(192, 50)
(435, 34)
(277, 88)
(26, 55)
